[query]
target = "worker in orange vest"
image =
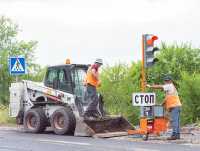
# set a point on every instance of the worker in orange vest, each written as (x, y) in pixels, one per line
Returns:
(172, 104)
(91, 82)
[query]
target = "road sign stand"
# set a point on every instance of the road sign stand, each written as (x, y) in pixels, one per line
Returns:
(16, 78)
(150, 121)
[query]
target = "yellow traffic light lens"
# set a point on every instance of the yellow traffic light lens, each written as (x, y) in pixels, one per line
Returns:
(67, 61)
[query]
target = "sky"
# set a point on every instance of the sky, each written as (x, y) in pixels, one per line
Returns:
(84, 30)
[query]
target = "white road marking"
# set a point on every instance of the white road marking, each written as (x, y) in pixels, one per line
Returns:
(5, 132)
(144, 149)
(190, 144)
(66, 142)
(54, 143)
(9, 128)
(5, 148)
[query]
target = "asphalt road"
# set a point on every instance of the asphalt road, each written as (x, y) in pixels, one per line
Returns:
(16, 140)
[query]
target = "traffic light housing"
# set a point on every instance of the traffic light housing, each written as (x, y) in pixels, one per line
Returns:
(149, 50)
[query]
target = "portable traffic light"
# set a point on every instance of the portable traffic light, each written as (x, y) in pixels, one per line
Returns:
(149, 50)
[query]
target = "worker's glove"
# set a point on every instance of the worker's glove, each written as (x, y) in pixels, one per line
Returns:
(148, 85)
(163, 104)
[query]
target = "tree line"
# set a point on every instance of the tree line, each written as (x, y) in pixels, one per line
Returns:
(11, 46)
(181, 61)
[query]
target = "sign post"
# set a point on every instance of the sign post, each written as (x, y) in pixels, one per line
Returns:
(143, 79)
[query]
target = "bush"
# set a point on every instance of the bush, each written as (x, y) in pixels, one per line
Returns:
(190, 96)
(173, 60)
(4, 116)
(121, 80)
(118, 84)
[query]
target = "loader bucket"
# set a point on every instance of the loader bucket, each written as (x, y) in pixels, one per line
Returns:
(104, 127)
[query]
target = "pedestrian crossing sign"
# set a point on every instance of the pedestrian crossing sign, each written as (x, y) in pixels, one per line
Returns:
(17, 65)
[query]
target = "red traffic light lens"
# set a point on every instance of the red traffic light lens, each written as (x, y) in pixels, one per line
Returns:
(154, 38)
(151, 40)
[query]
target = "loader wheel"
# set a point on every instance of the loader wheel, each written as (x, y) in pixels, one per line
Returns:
(145, 137)
(35, 121)
(63, 121)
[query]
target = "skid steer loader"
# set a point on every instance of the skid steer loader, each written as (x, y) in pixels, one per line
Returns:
(59, 103)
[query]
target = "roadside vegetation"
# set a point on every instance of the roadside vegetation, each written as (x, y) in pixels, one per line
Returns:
(180, 61)
(118, 81)
(4, 116)
(11, 46)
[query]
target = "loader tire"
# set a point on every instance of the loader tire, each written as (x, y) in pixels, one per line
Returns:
(63, 121)
(35, 121)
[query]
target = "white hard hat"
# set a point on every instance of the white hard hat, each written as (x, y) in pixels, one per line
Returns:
(99, 61)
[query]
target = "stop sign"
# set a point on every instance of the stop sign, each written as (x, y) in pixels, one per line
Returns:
(144, 99)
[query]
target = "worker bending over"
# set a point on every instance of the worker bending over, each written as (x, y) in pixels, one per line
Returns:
(91, 82)
(172, 104)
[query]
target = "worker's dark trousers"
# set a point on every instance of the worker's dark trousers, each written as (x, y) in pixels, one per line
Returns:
(175, 120)
(92, 98)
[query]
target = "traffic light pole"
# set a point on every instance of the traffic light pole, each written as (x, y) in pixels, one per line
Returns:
(143, 78)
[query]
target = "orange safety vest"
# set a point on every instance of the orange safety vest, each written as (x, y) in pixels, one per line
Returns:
(172, 101)
(90, 79)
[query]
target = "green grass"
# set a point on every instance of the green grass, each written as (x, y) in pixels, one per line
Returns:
(4, 116)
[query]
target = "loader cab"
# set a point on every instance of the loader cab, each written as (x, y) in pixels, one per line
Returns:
(67, 78)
